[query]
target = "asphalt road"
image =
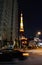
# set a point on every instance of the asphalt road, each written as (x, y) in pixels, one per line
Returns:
(35, 58)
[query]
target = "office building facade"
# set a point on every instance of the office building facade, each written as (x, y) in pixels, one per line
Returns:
(8, 19)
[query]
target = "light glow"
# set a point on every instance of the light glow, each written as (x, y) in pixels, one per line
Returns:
(25, 54)
(38, 33)
(21, 23)
(40, 44)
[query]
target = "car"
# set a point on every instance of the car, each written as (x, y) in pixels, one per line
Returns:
(20, 54)
(6, 53)
(9, 53)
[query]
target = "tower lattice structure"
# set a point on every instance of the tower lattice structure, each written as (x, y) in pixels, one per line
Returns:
(21, 25)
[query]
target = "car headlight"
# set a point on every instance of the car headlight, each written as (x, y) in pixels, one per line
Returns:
(25, 54)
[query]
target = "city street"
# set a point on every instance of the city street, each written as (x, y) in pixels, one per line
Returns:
(35, 58)
(20, 32)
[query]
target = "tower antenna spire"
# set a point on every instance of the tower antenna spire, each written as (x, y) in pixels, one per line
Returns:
(21, 23)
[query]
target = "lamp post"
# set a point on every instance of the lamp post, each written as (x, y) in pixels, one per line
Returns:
(36, 39)
(38, 33)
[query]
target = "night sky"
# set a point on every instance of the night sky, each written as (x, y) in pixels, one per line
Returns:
(32, 15)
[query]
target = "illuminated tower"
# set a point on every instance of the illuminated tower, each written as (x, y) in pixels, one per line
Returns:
(9, 19)
(22, 38)
(21, 25)
(21, 30)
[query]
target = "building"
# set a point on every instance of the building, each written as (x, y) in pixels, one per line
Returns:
(22, 38)
(9, 19)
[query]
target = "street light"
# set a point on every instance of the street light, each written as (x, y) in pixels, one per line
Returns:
(38, 33)
(36, 39)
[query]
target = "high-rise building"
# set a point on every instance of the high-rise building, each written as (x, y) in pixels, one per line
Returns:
(9, 19)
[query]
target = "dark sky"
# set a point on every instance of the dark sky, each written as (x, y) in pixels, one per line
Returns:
(32, 13)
